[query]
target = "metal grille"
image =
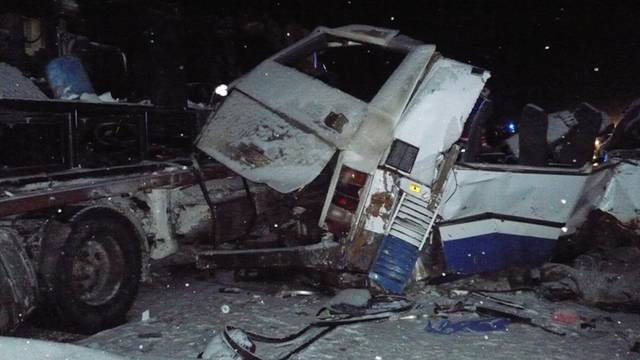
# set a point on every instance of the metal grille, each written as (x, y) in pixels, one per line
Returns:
(412, 220)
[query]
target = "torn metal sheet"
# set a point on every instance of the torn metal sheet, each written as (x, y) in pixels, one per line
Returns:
(296, 122)
(365, 33)
(622, 195)
(303, 101)
(384, 112)
(546, 194)
(262, 146)
(164, 241)
(495, 218)
(498, 216)
(435, 118)
(379, 205)
(324, 256)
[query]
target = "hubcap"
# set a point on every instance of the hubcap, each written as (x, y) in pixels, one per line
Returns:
(97, 270)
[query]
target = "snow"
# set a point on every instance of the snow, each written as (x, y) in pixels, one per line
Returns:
(15, 85)
(262, 146)
(18, 348)
(189, 318)
(187, 321)
(218, 349)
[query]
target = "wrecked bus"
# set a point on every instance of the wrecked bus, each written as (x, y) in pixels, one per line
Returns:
(396, 130)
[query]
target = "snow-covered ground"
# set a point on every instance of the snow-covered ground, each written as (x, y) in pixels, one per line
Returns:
(187, 309)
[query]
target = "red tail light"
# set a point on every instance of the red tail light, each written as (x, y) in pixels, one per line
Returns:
(347, 195)
(353, 177)
(345, 200)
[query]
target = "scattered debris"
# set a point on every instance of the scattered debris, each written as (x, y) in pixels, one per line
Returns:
(447, 327)
(294, 293)
(566, 316)
(230, 290)
(350, 299)
(609, 280)
(252, 346)
(145, 316)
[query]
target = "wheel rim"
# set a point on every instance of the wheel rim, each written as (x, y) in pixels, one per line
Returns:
(97, 270)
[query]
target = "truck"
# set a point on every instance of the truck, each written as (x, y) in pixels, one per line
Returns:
(93, 188)
(89, 200)
(356, 153)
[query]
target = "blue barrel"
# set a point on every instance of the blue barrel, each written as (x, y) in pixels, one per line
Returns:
(67, 77)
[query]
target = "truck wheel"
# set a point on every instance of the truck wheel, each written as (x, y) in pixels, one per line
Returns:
(97, 273)
(18, 286)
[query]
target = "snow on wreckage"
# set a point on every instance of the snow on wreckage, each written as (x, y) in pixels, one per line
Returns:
(284, 122)
(406, 174)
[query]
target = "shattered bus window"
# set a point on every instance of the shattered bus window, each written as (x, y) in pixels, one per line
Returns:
(358, 69)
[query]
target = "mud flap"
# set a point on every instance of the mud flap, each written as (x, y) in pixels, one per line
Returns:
(394, 264)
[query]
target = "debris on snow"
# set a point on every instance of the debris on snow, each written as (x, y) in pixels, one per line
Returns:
(294, 293)
(145, 316)
(609, 280)
(447, 327)
(351, 298)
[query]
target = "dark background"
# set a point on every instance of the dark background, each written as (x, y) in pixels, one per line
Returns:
(593, 46)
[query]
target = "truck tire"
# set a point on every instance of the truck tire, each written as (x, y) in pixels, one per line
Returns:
(95, 278)
(18, 286)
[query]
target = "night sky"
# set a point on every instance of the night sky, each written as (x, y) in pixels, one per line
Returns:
(552, 53)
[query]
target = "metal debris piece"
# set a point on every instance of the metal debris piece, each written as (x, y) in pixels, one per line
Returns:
(294, 293)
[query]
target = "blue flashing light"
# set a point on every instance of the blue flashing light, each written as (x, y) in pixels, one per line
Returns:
(511, 127)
